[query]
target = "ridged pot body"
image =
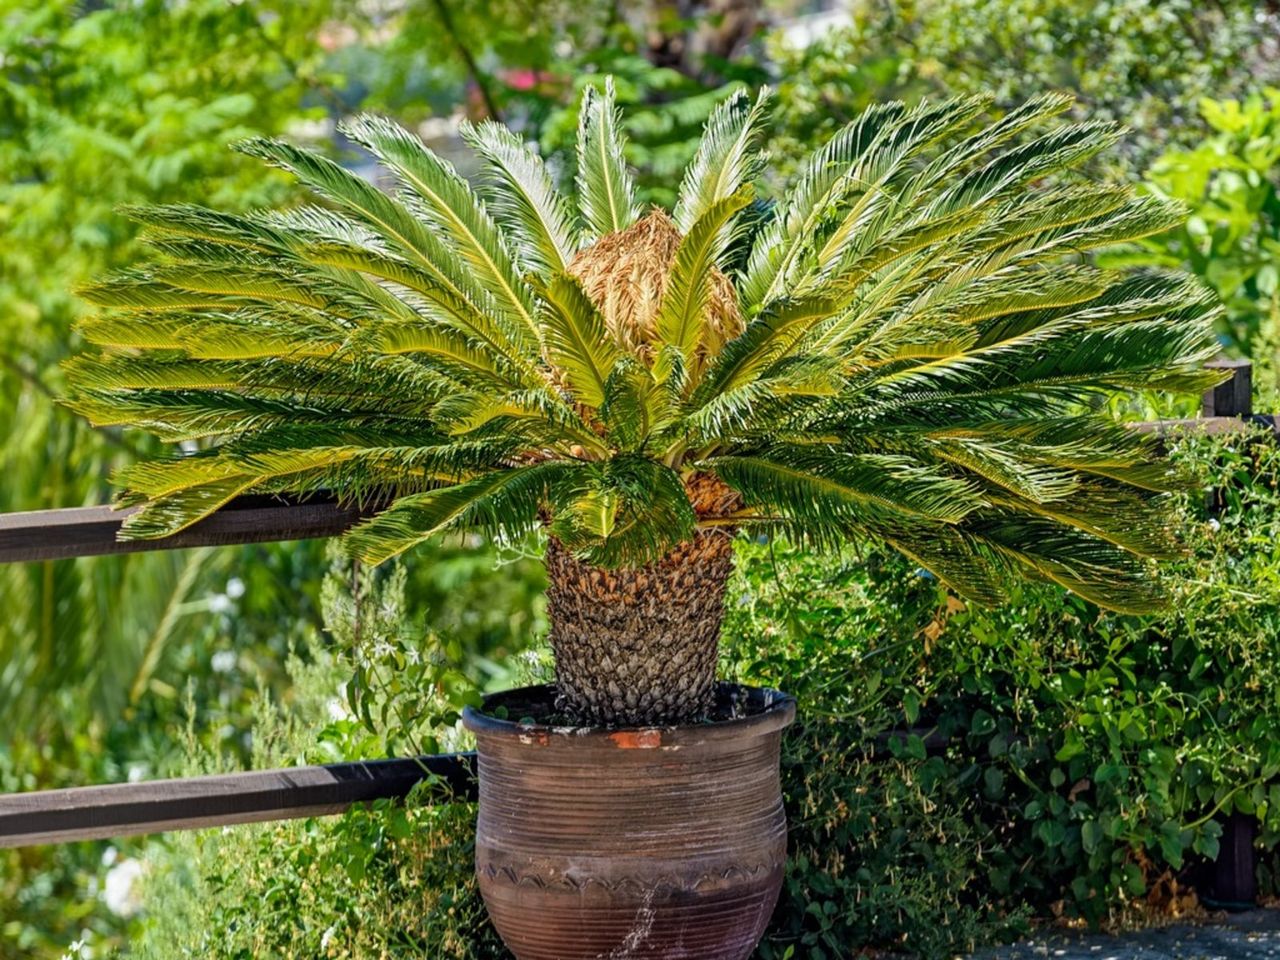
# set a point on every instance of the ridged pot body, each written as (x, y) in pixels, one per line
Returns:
(654, 843)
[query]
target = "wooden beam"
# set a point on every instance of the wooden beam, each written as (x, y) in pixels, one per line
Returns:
(92, 531)
(1234, 396)
(128, 809)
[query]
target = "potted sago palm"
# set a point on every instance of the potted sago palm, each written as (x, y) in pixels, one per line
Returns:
(909, 346)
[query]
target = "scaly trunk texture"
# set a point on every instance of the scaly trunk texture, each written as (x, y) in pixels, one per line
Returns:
(638, 647)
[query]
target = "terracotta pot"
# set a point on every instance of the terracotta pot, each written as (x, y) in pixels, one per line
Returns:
(598, 843)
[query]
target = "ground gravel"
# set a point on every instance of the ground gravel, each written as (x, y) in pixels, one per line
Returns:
(1244, 936)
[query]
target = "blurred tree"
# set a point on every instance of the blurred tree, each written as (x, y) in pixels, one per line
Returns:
(99, 105)
(1144, 63)
(1231, 184)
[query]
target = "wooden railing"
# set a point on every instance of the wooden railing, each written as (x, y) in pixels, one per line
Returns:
(193, 803)
(87, 813)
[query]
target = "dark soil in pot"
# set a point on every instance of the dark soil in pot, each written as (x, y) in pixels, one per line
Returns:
(641, 842)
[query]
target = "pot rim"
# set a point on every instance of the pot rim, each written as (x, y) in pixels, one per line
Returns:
(779, 710)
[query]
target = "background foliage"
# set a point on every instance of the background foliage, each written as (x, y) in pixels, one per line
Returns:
(117, 102)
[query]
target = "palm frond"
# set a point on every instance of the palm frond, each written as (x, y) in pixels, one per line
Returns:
(540, 222)
(440, 196)
(622, 511)
(606, 192)
(684, 302)
(728, 157)
(504, 504)
(576, 340)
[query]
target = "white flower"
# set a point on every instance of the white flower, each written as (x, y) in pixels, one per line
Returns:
(223, 661)
(120, 893)
(235, 588)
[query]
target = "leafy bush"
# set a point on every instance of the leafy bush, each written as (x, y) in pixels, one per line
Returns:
(1089, 755)
(887, 844)
(1145, 63)
(391, 880)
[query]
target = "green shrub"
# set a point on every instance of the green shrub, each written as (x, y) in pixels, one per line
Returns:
(391, 880)
(1089, 755)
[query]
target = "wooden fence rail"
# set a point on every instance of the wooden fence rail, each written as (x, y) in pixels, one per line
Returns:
(193, 803)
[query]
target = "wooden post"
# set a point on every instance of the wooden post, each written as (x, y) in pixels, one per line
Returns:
(1233, 397)
(1232, 883)
(1233, 880)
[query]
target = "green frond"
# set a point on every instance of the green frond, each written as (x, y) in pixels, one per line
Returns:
(824, 181)
(244, 335)
(875, 250)
(622, 512)
(1004, 469)
(463, 360)
(826, 485)
(140, 291)
(681, 315)
(606, 193)
(954, 161)
(635, 405)
(445, 200)
(728, 157)
(174, 512)
(888, 161)
(575, 337)
(1059, 150)
(1068, 359)
(767, 338)
(501, 504)
(195, 223)
(387, 219)
(536, 217)
(465, 311)
(1085, 564)
(968, 566)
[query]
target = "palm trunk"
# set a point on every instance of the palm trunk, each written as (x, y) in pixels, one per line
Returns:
(638, 647)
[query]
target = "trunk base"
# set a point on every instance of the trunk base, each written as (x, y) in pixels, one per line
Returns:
(636, 647)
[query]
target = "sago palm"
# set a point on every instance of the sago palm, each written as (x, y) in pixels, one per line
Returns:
(907, 347)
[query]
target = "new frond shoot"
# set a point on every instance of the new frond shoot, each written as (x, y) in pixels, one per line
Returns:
(909, 346)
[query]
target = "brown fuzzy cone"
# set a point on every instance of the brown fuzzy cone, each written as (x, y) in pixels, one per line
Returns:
(638, 647)
(625, 274)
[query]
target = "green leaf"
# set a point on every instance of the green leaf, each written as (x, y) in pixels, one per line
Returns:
(576, 339)
(728, 157)
(606, 193)
(445, 200)
(524, 199)
(682, 312)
